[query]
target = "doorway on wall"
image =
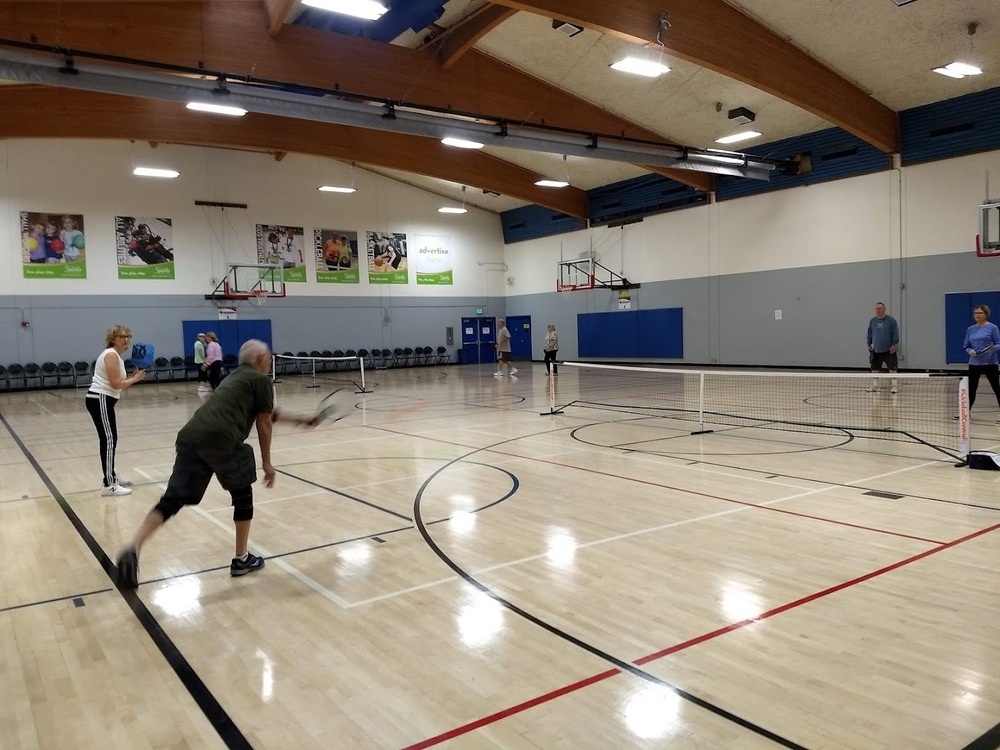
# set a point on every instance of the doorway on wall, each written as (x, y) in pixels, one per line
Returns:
(520, 337)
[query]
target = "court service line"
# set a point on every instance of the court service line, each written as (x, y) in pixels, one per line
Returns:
(291, 570)
(43, 408)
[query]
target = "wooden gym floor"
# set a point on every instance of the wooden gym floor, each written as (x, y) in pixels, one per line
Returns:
(447, 568)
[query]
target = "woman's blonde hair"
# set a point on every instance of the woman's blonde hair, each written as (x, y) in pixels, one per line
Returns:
(114, 332)
(211, 336)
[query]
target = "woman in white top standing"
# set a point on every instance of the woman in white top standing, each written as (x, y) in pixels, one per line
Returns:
(105, 389)
(551, 349)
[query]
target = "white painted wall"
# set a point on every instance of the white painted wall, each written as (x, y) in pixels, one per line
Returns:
(94, 178)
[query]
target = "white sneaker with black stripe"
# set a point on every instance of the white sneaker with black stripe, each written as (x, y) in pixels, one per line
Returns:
(116, 490)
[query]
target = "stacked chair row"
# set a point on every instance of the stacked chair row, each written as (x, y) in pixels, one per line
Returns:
(18, 377)
(373, 359)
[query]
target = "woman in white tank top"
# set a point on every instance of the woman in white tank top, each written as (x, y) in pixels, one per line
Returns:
(105, 389)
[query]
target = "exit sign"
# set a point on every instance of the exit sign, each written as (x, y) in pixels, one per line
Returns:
(480, 310)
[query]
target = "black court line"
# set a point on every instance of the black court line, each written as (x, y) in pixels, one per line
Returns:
(885, 495)
(27, 605)
(988, 741)
(226, 728)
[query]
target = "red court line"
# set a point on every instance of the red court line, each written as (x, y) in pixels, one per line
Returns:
(758, 506)
(558, 693)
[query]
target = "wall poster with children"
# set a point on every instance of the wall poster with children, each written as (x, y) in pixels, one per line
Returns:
(53, 245)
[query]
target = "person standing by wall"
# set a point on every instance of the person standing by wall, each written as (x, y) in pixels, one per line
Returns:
(213, 359)
(106, 388)
(199, 360)
(982, 339)
(503, 350)
(551, 349)
(883, 340)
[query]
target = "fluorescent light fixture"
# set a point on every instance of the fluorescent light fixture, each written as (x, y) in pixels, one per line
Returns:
(335, 189)
(552, 183)
(460, 143)
(153, 172)
(451, 210)
(367, 9)
(958, 70)
(746, 135)
(640, 67)
(722, 157)
(218, 109)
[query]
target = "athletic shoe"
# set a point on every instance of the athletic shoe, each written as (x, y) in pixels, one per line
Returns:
(128, 569)
(871, 389)
(498, 374)
(894, 390)
(513, 371)
(242, 567)
(116, 490)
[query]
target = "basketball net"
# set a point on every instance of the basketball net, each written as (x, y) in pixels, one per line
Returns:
(258, 297)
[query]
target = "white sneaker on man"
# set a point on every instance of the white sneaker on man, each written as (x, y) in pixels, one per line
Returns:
(116, 490)
(498, 374)
(894, 390)
(871, 389)
(513, 371)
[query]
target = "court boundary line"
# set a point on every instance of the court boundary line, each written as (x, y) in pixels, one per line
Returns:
(213, 711)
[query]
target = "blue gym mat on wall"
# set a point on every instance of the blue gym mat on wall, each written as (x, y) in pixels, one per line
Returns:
(654, 334)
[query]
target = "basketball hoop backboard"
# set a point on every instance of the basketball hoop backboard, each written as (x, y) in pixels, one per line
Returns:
(575, 275)
(253, 282)
(988, 239)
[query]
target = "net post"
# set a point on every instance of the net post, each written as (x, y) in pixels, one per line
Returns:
(361, 387)
(552, 396)
(313, 384)
(701, 407)
(964, 442)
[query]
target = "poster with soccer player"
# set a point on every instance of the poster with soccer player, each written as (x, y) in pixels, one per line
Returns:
(432, 259)
(336, 256)
(53, 245)
(283, 246)
(387, 258)
(145, 247)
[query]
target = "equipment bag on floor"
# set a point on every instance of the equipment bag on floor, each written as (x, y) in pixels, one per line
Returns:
(984, 460)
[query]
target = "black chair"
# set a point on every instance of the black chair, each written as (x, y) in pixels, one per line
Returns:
(443, 357)
(286, 366)
(363, 356)
(426, 356)
(177, 368)
(4, 385)
(350, 353)
(32, 375)
(190, 368)
(327, 366)
(376, 359)
(229, 363)
(50, 375)
(160, 369)
(65, 374)
(337, 366)
(81, 374)
(387, 359)
(398, 358)
(15, 378)
(408, 358)
(130, 368)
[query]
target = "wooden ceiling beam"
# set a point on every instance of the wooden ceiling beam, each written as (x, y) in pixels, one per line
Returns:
(232, 36)
(462, 37)
(277, 12)
(717, 36)
(40, 112)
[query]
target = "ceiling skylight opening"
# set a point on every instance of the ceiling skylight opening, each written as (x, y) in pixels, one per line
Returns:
(366, 9)
(746, 135)
(958, 70)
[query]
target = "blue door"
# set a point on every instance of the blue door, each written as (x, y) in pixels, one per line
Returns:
(520, 336)
(487, 340)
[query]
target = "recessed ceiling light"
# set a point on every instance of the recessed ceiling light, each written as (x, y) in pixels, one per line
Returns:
(746, 135)
(958, 70)
(461, 143)
(153, 172)
(336, 189)
(367, 9)
(218, 109)
(640, 67)
(552, 183)
(451, 210)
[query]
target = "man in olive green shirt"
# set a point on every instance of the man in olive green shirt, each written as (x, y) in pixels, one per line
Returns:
(212, 444)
